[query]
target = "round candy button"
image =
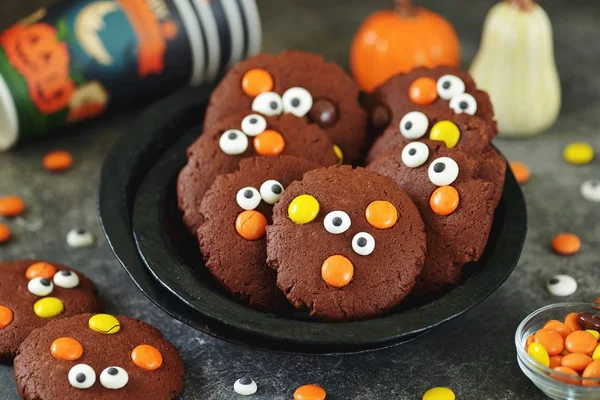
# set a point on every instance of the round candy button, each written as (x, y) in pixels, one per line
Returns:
(444, 200)
(578, 153)
(251, 225)
(6, 316)
(67, 349)
(566, 243)
(256, 81)
(591, 371)
(4, 233)
(40, 270)
(147, 357)
(581, 342)
(245, 386)
(520, 171)
(337, 271)
(381, 214)
(439, 393)
(590, 190)
(310, 392)
(104, 323)
(423, 91)
(11, 206)
(562, 285)
(552, 341)
(303, 209)
(269, 143)
(323, 113)
(57, 161)
(447, 132)
(48, 307)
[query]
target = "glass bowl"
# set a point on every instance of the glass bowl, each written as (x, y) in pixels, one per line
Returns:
(539, 374)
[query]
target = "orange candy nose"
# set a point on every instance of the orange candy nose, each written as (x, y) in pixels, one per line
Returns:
(310, 392)
(256, 81)
(6, 317)
(444, 200)
(251, 225)
(147, 357)
(337, 271)
(40, 269)
(269, 143)
(423, 91)
(381, 214)
(67, 349)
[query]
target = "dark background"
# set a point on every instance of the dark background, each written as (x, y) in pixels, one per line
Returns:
(473, 354)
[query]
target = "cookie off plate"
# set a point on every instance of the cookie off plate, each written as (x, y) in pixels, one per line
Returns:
(139, 213)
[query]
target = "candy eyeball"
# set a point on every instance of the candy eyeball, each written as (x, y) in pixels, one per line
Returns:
(561, 285)
(464, 103)
(337, 222)
(414, 125)
(443, 171)
(268, 103)
(114, 378)
(78, 238)
(82, 376)
(248, 198)
(254, 124)
(449, 86)
(590, 190)
(363, 243)
(66, 279)
(40, 286)
(297, 101)
(233, 142)
(415, 154)
(245, 386)
(271, 191)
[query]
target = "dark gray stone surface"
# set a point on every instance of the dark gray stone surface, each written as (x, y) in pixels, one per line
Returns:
(473, 354)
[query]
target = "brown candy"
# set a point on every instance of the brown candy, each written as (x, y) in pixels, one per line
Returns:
(589, 321)
(380, 117)
(323, 113)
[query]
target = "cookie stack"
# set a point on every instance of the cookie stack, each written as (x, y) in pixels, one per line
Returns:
(281, 224)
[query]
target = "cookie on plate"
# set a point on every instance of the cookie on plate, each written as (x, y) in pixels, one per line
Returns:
(98, 356)
(346, 243)
(237, 209)
(32, 293)
(219, 150)
(457, 207)
(296, 83)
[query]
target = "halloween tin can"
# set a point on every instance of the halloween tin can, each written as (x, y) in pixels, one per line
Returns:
(85, 58)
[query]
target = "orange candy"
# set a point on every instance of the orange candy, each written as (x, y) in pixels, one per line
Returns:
(6, 316)
(555, 325)
(11, 206)
(444, 200)
(568, 371)
(40, 269)
(520, 171)
(57, 161)
(269, 143)
(576, 361)
(592, 371)
(555, 361)
(530, 339)
(256, 81)
(581, 342)
(597, 301)
(67, 349)
(572, 323)
(251, 225)
(337, 271)
(566, 243)
(310, 392)
(4, 233)
(423, 91)
(552, 341)
(381, 214)
(147, 357)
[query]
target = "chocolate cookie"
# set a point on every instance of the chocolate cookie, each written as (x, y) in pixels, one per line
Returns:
(347, 244)
(32, 293)
(236, 210)
(219, 150)
(457, 208)
(461, 132)
(298, 83)
(98, 357)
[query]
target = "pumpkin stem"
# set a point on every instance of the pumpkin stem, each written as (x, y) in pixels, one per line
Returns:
(404, 8)
(523, 5)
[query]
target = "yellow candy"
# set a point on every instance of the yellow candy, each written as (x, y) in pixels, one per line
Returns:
(596, 353)
(104, 323)
(539, 354)
(303, 209)
(595, 333)
(439, 393)
(338, 152)
(48, 307)
(447, 132)
(578, 153)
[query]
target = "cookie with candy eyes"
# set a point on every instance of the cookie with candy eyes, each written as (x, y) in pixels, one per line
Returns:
(456, 206)
(32, 293)
(236, 211)
(296, 83)
(98, 356)
(346, 243)
(219, 150)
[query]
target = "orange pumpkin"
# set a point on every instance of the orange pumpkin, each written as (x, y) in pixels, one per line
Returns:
(52, 92)
(394, 41)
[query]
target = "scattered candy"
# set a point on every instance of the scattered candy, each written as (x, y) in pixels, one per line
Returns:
(4, 233)
(592, 371)
(520, 171)
(245, 386)
(57, 161)
(78, 238)
(147, 357)
(6, 316)
(439, 393)
(104, 323)
(590, 190)
(566, 243)
(48, 307)
(66, 349)
(539, 354)
(589, 321)
(11, 206)
(578, 153)
(310, 392)
(562, 285)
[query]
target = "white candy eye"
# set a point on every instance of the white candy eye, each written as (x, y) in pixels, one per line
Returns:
(414, 125)
(363, 243)
(254, 124)
(268, 103)
(248, 198)
(82, 376)
(233, 142)
(245, 386)
(464, 103)
(415, 154)
(337, 222)
(449, 86)
(78, 238)
(443, 171)
(271, 191)
(590, 190)
(40, 286)
(114, 378)
(66, 279)
(297, 101)
(562, 285)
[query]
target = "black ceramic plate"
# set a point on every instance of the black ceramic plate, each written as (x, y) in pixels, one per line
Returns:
(138, 182)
